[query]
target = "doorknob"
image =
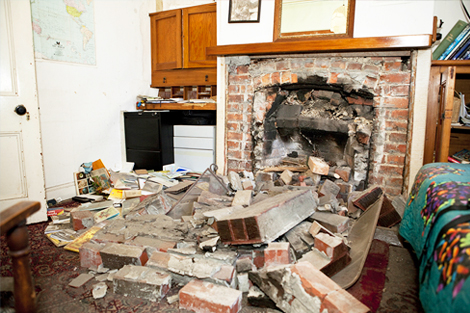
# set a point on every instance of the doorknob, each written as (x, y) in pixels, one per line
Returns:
(21, 110)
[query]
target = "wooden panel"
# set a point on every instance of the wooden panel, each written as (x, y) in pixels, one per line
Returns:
(432, 115)
(199, 32)
(448, 104)
(166, 40)
(184, 77)
(330, 45)
(459, 140)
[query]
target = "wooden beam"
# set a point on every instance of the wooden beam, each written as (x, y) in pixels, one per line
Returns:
(330, 45)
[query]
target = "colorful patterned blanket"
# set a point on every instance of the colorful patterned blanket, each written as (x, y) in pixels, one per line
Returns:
(436, 222)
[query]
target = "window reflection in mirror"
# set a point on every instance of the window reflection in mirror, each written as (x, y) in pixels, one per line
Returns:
(307, 19)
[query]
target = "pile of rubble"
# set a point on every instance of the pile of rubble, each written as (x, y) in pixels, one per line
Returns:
(280, 237)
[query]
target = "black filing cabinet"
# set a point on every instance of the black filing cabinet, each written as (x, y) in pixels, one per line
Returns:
(149, 139)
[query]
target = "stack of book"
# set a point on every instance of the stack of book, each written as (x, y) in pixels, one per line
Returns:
(455, 45)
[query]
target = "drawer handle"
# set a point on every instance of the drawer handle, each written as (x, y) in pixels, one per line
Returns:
(207, 78)
(164, 80)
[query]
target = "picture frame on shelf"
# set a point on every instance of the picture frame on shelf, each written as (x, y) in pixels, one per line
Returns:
(244, 11)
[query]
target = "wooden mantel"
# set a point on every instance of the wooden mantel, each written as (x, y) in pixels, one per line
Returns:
(390, 43)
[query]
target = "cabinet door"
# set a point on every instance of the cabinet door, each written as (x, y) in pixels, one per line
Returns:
(166, 40)
(199, 32)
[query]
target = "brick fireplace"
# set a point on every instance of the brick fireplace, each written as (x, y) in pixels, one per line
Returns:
(377, 85)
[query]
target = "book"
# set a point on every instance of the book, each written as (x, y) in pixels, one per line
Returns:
(82, 239)
(105, 214)
(458, 47)
(462, 50)
(448, 39)
(455, 43)
(463, 156)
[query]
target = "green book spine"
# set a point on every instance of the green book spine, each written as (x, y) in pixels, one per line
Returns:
(448, 39)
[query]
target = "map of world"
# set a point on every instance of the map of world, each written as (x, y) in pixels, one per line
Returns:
(64, 30)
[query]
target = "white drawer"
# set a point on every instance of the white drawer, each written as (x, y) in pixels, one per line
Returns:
(201, 131)
(194, 143)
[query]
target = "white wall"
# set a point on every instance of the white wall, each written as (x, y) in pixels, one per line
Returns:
(373, 18)
(81, 105)
(450, 11)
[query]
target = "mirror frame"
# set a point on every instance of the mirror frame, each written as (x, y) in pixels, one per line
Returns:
(312, 35)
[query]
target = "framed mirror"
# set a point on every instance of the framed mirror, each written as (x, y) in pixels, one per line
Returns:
(313, 19)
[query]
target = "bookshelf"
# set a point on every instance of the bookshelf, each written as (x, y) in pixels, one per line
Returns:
(442, 138)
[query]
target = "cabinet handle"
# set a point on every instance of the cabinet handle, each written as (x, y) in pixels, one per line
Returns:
(207, 78)
(164, 80)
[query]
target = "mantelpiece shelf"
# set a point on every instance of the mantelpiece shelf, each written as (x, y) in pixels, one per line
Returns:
(331, 45)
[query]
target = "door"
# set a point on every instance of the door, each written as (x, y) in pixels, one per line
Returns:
(165, 29)
(199, 32)
(21, 167)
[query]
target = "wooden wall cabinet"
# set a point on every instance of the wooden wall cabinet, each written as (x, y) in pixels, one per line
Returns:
(442, 138)
(179, 39)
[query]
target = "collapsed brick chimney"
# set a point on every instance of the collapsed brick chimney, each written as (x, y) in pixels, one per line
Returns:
(352, 109)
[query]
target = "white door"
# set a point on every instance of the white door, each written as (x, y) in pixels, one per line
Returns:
(21, 167)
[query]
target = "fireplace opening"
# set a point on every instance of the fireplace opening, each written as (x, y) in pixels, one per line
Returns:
(313, 118)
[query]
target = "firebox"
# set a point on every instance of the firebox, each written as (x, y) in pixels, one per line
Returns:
(347, 109)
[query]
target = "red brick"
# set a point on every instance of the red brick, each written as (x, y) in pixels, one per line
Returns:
(338, 64)
(90, 255)
(236, 98)
(233, 126)
(266, 79)
(258, 257)
(333, 78)
(277, 253)
(354, 66)
(341, 301)
(234, 135)
(392, 66)
(400, 114)
(396, 126)
(286, 77)
(371, 68)
(332, 246)
(226, 273)
(391, 170)
(399, 90)
(276, 78)
(314, 282)
(242, 69)
(233, 107)
(159, 260)
(395, 159)
(203, 297)
(282, 66)
(233, 144)
(234, 117)
(370, 82)
(395, 102)
(399, 78)
(101, 237)
(397, 137)
(82, 219)
(239, 79)
(237, 154)
(233, 89)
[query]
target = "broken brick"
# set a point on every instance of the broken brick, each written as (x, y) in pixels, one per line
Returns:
(82, 219)
(333, 222)
(332, 246)
(141, 282)
(244, 264)
(341, 301)
(329, 188)
(151, 244)
(115, 255)
(300, 239)
(286, 176)
(266, 220)
(343, 172)
(225, 275)
(388, 215)
(277, 253)
(242, 197)
(368, 197)
(318, 166)
(90, 256)
(203, 297)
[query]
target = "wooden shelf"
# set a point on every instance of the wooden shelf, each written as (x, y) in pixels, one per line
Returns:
(179, 106)
(329, 45)
(460, 127)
